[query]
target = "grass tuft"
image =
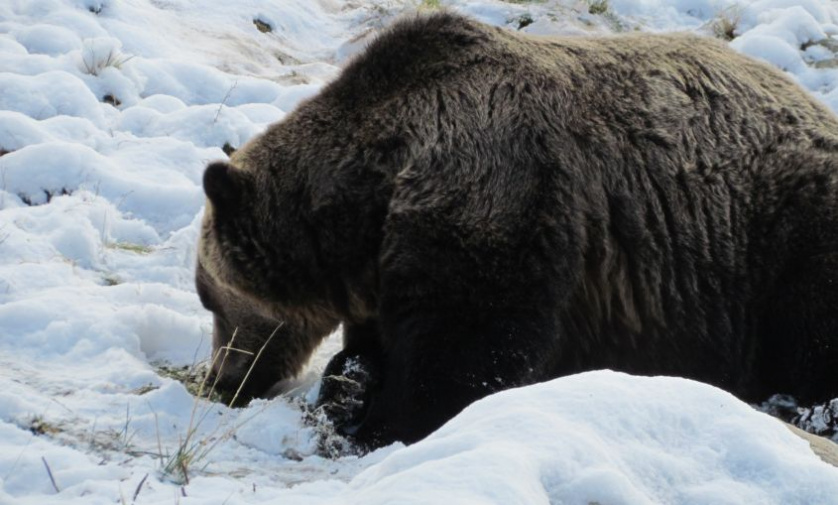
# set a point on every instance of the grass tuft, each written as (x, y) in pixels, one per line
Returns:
(525, 20)
(430, 4)
(598, 6)
(724, 25)
(94, 62)
(40, 426)
(193, 378)
(111, 279)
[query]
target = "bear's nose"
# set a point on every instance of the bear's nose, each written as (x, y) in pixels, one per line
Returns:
(219, 383)
(210, 379)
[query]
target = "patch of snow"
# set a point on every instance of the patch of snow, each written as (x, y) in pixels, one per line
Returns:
(50, 94)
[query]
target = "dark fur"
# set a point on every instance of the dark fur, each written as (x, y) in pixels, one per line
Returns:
(486, 210)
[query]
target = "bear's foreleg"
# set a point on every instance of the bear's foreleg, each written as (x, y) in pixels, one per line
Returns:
(799, 338)
(438, 361)
(351, 375)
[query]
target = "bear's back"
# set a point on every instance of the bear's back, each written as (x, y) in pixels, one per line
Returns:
(676, 91)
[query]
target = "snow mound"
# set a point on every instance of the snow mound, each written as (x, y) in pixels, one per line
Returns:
(604, 437)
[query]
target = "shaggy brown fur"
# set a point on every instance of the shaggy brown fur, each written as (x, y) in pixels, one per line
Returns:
(485, 210)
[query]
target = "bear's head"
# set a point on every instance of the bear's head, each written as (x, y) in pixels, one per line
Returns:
(294, 220)
(257, 273)
(262, 269)
(254, 356)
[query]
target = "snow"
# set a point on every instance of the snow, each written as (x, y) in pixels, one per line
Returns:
(608, 438)
(663, 14)
(109, 112)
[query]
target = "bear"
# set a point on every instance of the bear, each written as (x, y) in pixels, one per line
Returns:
(483, 210)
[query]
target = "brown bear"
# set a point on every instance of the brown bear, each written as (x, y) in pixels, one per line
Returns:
(483, 209)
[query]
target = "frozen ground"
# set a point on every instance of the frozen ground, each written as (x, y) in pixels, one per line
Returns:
(109, 111)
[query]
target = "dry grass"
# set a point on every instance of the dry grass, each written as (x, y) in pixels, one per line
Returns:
(193, 377)
(130, 247)
(94, 62)
(111, 279)
(724, 25)
(40, 426)
(193, 449)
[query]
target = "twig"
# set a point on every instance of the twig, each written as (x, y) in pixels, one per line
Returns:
(125, 438)
(139, 487)
(220, 367)
(157, 429)
(49, 472)
(224, 100)
(203, 384)
(185, 474)
(17, 460)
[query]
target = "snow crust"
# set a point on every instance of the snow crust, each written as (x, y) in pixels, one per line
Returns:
(109, 112)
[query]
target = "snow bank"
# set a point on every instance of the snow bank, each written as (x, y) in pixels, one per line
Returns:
(599, 437)
(604, 437)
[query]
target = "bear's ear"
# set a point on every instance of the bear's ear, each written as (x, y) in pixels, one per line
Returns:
(223, 185)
